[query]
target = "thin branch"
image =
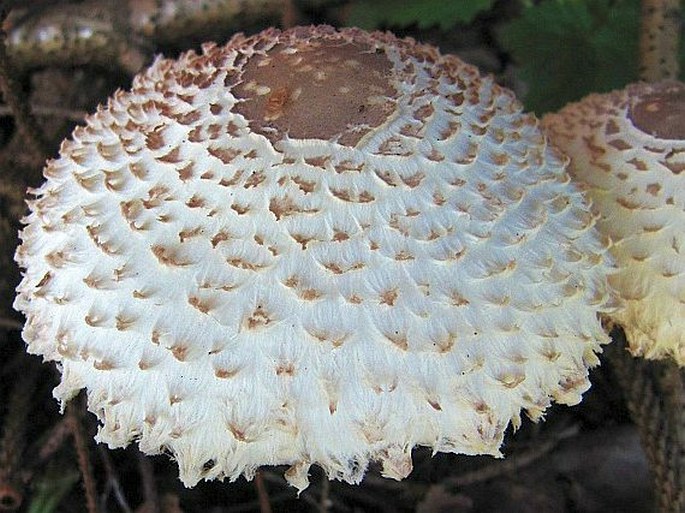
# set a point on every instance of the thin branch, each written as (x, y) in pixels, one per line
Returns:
(83, 458)
(10, 324)
(512, 463)
(375, 501)
(262, 494)
(660, 39)
(245, 506)
(147, 474)
(289, 14)
(58, 434)
(112, 484)
(324, 500)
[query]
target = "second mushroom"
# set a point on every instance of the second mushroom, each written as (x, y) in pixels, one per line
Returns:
(627, 150)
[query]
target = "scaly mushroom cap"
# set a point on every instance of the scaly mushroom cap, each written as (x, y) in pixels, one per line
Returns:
(312, 247)
(627, 149)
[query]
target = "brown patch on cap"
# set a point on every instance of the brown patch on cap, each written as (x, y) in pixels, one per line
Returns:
(317, 88)
(661, 112)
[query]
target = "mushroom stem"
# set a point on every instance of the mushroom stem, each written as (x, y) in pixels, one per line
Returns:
(659, 39)
(650, 395)
(671, 382)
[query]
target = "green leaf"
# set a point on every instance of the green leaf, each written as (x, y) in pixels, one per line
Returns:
(566, 49)
(51, 488)
(370, 14)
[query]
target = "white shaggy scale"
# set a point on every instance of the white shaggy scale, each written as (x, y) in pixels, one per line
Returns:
(635, 175)
(239, 297)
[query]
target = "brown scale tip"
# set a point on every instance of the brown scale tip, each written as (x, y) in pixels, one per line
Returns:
(317, 86)
(661, 112)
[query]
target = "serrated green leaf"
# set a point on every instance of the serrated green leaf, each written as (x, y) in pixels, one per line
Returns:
(566, 49)
(370, 14)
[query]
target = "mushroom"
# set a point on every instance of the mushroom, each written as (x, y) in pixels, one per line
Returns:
(627, 149)
(314, 246)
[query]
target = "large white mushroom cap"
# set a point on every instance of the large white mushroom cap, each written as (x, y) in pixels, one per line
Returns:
(627, 149)
(312, 247)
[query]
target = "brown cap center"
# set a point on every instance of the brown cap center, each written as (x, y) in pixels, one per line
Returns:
(317, 89)
(661, 113)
